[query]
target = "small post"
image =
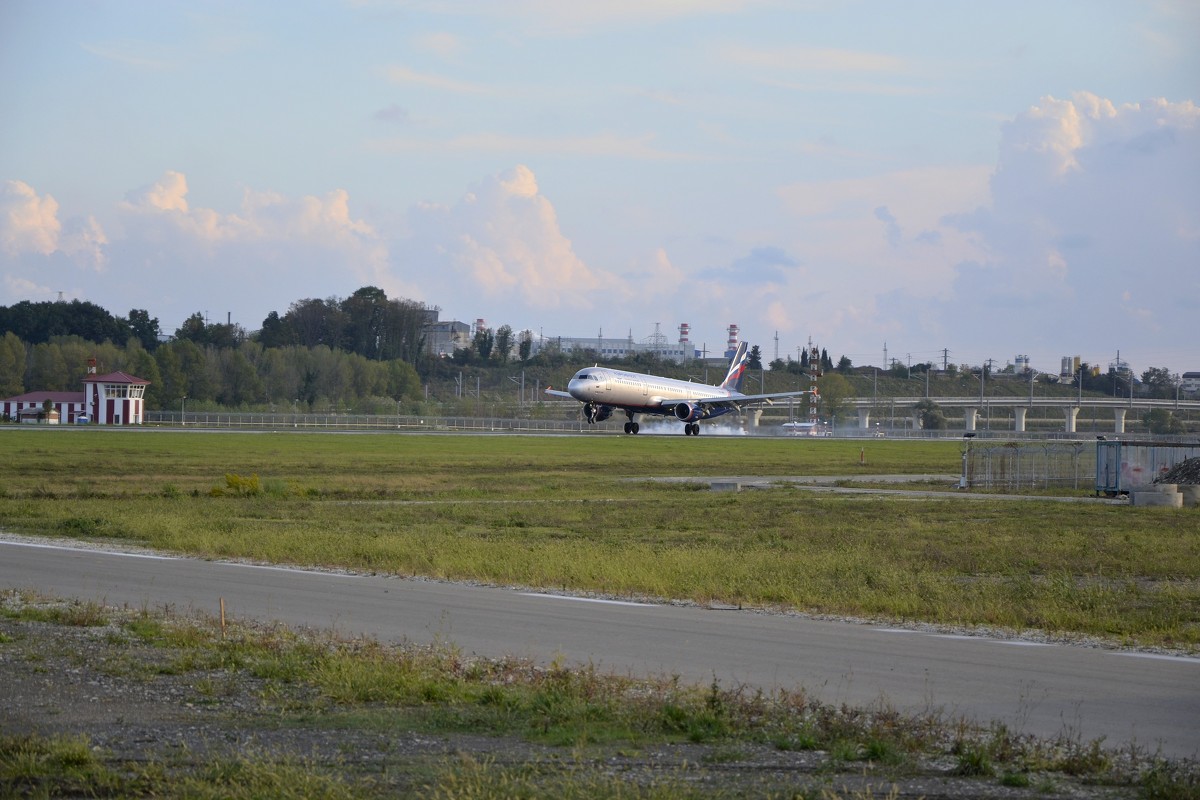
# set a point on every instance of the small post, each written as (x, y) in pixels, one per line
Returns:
(222, 617)
(862, 457)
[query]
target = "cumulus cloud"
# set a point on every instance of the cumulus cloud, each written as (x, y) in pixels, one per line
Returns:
(30, 230)
(28, 223)
(1092, 217)
(503, 239)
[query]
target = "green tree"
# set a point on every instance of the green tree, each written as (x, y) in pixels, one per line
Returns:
(1161, 420)
(276, 332)
(316, 322)
(526, 347)
(239, 381)
(12, 365)
(844, 364)
(931, 415)
(142, 364)
(363, 321)
(483, 343)
(46, 368)
(504, 343)
(835, 390)
(1159, 382)
(144, 328)
(754, 358)
(172, 381)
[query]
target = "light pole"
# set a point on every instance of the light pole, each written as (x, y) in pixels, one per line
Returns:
(963, 482)
(183, 411)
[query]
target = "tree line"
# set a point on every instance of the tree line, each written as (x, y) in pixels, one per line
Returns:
(245, 376)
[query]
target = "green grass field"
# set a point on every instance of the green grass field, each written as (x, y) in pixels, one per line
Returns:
(563, 513)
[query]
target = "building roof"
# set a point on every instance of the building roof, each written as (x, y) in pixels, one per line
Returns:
(41, 397)
(115, 377)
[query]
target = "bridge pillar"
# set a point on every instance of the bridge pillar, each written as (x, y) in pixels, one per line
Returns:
(1119, 415)
(1020, 421)
(1071, 412)
(864, 418)
(970, 416)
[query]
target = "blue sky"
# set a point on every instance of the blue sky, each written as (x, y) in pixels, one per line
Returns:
(994, 178)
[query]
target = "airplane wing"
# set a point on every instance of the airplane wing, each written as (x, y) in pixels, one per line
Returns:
(737, 400)
(558, 393)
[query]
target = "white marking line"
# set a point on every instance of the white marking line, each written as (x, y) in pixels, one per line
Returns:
(583, 599)
(894, 630)
(90, 550)
(962, 636)
(1022, 643)
(300, 570)
(1160, 657)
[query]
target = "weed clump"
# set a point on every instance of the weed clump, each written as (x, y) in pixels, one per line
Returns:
(238, 486)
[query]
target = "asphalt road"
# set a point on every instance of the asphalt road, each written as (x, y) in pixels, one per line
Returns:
(1047, 690)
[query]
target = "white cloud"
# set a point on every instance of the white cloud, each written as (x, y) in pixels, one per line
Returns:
(1090, 222)
(28, 223)
(502, 239)
(30, 228)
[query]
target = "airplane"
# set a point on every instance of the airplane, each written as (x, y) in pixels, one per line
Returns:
(603, 390)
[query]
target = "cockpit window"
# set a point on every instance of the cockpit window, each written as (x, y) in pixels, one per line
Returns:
(584, 375)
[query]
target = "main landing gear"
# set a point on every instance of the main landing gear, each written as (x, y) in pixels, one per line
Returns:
(631, 426)
(691, 429)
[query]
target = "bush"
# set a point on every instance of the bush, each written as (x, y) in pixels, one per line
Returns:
(237, 486)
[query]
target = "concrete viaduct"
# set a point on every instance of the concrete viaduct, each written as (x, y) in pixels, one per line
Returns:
(972, 406)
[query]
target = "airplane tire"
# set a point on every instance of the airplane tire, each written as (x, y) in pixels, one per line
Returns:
(634, 427)
(695, 429)
(628, 425)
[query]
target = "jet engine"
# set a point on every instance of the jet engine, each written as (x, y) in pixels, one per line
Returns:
(686, 412)
(594, 413)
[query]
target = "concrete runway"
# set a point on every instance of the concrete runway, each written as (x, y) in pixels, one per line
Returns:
(1047, 690)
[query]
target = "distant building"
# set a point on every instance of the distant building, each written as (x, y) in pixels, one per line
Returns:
(607, 348)
(1189, 382)
(113, 399)
(443, 337)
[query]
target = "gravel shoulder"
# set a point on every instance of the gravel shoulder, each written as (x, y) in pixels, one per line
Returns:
(138, 704)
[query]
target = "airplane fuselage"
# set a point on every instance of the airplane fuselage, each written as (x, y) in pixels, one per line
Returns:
(603, 390)
(646, 394)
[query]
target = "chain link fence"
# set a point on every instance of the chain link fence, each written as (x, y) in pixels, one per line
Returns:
(1030, 465)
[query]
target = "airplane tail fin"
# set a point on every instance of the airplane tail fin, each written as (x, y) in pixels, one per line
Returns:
(737, 368)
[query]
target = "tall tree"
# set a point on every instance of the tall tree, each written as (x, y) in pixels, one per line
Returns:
(1159, 382)
(483, 343)
(755, 358)
(363, 321)
(144, 328)
(172, 383)
(316, 322)
(504, 342)
(525, 348)
(46, 368)
(276, 332)
(12, 365)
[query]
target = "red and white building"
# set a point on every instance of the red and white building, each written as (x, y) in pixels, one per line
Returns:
(113, 399)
